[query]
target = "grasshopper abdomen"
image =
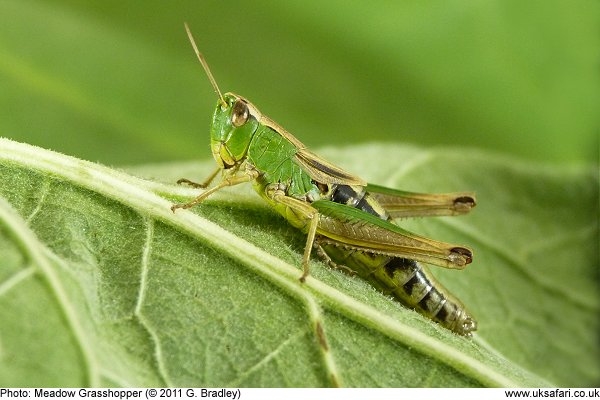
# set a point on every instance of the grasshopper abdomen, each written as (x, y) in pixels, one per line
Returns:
(406, 280)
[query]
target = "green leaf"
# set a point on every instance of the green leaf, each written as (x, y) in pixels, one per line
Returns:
(101, 284)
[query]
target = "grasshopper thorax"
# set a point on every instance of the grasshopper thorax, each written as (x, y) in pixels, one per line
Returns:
(233, 124)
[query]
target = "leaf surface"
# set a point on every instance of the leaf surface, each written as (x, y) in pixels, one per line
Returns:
(101, 284)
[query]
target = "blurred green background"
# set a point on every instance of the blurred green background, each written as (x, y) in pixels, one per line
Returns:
(117, 82)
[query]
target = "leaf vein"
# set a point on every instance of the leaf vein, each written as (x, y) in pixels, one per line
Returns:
(35, 250)
(146, 253)
(16, 279)
(263, 361)
(40, 202)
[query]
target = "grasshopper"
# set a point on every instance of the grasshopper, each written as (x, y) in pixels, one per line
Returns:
(348, 221)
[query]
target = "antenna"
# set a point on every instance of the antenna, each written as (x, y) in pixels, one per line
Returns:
(204, 65)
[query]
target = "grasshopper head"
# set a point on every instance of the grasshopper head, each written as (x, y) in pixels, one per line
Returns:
(234, 122)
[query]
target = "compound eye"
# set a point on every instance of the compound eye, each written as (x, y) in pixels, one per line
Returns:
(239, 114)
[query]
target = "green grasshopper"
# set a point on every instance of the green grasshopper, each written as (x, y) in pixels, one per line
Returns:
(348, 221)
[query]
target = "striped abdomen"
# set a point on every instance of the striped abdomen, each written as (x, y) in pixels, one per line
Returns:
(406, 280)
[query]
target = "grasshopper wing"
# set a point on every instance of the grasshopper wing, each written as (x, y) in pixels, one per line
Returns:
(407, 204)
(323, 171)
(344, 225)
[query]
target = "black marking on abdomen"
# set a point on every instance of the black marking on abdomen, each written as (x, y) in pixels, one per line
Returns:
(344, 194)
(408, 286)
(364, 205)
(360, 199)
(442, 314)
